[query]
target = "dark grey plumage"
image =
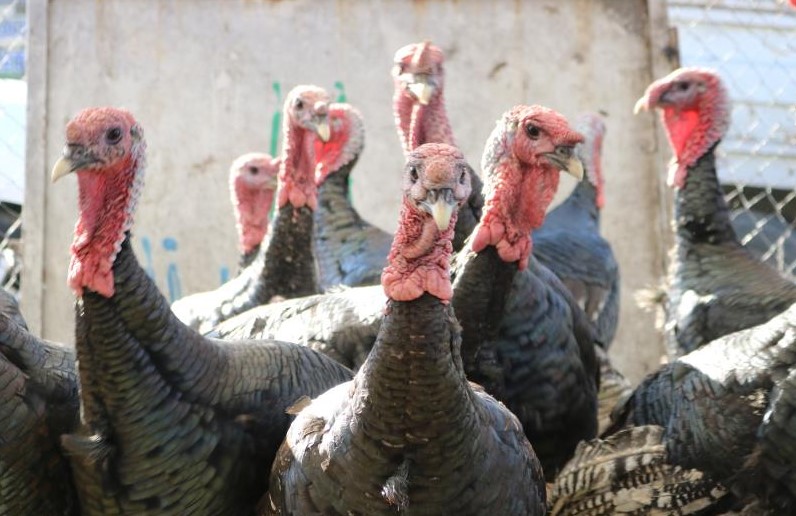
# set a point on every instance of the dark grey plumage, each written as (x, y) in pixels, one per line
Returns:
(38, 401)
(174, 422)
(409, 435)
(727, 409)
(350, 251)
(569, 242)
(525, 340)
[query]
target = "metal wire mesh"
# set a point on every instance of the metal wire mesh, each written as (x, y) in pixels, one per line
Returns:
(13, 93)
(752, 44)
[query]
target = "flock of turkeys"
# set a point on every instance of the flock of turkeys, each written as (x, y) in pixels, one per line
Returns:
(459, 366)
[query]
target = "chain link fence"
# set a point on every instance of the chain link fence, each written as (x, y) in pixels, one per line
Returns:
(13, 101)
(752, 44)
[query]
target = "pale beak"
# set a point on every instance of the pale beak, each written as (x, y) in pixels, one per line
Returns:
(323, 130)
(564, 158)
(641, 105)
(441, 207)
(61, 168)
(421, 89)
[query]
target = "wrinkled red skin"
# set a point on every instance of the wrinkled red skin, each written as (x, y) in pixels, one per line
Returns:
(297, 174)
(520, 182)
(346, 141)
(251, 210)
(419, 260)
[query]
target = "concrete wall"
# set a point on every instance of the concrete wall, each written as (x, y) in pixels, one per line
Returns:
(207, 81)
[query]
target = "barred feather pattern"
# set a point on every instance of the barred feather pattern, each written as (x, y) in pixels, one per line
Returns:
(174, 423)
(728, 408)
(630, 473)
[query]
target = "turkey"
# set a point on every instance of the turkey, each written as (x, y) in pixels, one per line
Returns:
(409, 434)
(171, 422)
(420, 117)
(630, 472)
(523, 336)
(252, 184)
(349, 250)
(38, 402)
(285, 267)
(569, 241)
(727, 409)
(715, 286)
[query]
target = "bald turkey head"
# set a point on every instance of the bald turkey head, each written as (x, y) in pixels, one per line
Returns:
(253, 180)
(105, 148)
(695, 110)
(306, 119)
(436, 182)
(521, 164)
(345, 143)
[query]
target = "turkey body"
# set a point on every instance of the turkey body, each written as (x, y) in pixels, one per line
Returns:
(38, 401)
(175, 423)
(538, 358)
(727, 409)
(569, 244)
(716, 286)
(408, 435)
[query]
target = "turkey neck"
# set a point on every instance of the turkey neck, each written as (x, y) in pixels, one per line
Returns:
(129, 336)
(480, 290)
(289, 268)
(700, 209)
(335, 219)
(412, 387)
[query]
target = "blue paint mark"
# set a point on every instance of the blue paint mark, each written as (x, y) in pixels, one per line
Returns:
(223, 272)
(170, 244)
(146, 245)
(172, 272)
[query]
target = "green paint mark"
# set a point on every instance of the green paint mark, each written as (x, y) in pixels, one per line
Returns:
(276, 129)
(276, 120)
(340, 87)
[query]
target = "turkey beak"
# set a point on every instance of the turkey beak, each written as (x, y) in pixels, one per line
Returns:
(421, 89)
(74, 158)
(564, 158)
(441, 204)
(323, 130)
(642, 104)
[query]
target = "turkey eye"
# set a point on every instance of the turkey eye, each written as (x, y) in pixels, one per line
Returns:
(299, 104)
(533, 131)
(413, 173)
(253, 170)
(683, 86)
(113, 135)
